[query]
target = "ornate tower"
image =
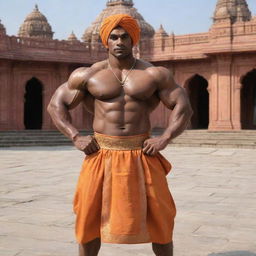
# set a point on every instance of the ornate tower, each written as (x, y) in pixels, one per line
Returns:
(72, 38)
(36, 25)
(161, 32)
(233, 10)
(2, 29)
(91, 34)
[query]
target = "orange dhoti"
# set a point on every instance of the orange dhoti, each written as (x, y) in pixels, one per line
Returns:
(122, 195)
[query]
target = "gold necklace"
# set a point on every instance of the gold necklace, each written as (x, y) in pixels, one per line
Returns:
(122, 82)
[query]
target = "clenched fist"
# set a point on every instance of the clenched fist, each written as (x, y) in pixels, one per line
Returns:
(87, 144)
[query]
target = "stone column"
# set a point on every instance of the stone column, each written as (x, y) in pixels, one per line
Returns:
(5, 97)
(213, 97)
(47, 81)
(19, 84)
(221, 91)
(236, 105)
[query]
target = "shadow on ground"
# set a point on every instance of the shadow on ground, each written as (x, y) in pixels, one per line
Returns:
(234, 253)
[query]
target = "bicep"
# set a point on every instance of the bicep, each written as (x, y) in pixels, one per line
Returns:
(64, 96)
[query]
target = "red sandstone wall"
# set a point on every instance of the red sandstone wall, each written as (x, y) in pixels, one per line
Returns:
(222, 56)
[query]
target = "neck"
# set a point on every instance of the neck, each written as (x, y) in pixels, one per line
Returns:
(121, 64)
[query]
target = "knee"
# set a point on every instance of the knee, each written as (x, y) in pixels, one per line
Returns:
(163, 249)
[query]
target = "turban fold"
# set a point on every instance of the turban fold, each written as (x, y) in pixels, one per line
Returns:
(125, 21)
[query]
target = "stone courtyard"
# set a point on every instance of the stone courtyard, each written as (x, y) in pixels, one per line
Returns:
(214, 190)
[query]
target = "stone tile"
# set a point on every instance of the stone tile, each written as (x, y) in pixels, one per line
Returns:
(9, 252)
(214, 190)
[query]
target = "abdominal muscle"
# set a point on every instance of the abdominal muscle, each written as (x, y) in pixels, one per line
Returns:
(121, 117)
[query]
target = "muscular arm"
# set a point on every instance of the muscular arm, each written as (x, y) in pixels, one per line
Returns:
(67, 97)
(63, 100)
(174, 98)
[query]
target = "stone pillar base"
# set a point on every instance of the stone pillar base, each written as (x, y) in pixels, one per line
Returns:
(221, 126)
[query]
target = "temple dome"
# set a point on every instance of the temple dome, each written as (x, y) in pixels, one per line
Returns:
(2, 29)
(234, 10)
(72, 37)
(36, 25)
(117, 7)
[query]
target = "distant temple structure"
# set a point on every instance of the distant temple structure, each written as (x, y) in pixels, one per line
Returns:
(217, 68)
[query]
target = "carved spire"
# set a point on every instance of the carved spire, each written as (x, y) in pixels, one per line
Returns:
(2, 29)
(233, 10)
(72, 37)
(243, 11)
(118, 2)
(161, 32)
(36, 8)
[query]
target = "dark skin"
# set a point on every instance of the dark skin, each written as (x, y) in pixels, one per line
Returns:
(121, 110)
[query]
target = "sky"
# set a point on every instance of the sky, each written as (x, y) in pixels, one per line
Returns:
(65, 16)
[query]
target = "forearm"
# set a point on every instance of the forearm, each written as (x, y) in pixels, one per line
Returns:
(178, 122)
(62, 119)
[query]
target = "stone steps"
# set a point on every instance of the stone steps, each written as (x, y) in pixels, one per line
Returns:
(190, 138)
(224, 139)
(34, 138)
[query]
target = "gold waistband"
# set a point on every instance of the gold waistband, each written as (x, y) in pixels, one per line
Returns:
(120, 142)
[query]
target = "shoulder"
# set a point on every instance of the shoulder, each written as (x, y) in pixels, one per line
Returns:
(147, 67)
(80, 76)
(158, 72)
(161, 75)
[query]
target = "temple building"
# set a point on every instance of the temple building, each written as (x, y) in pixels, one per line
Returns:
(217, 68)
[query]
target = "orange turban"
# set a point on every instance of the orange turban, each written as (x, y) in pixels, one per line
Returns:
(125, 21)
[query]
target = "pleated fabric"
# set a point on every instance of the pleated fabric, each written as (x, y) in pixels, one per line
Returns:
(122, 195)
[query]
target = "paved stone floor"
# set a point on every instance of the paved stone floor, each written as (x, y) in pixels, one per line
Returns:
(214, 189)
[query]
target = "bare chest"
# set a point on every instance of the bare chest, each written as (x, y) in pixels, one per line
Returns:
(105, 85)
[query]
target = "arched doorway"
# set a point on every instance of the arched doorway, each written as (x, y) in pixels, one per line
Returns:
(199, 99)
(33, 104)
(248, 101)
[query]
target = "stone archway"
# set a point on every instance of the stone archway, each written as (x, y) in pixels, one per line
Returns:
(199, 99)
(248, 100)
(33, 104)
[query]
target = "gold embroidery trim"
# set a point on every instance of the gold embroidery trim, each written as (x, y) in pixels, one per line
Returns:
(121, 142)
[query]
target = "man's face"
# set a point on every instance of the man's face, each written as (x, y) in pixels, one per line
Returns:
(120, 43)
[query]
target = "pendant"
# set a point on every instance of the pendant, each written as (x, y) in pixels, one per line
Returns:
(122, 83)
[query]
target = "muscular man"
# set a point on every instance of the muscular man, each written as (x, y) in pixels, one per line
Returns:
(122, 194)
